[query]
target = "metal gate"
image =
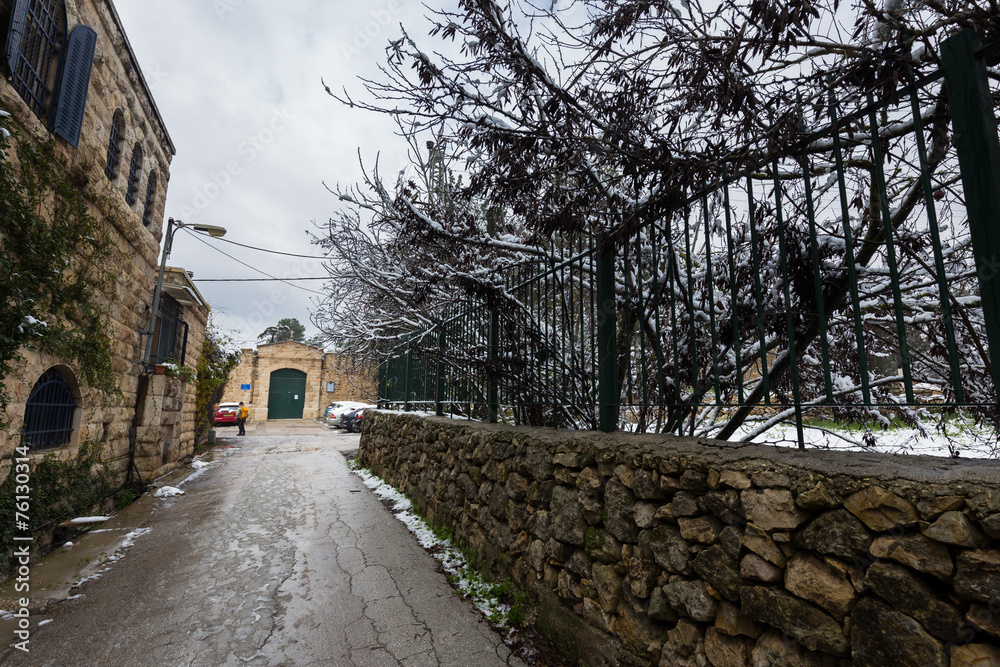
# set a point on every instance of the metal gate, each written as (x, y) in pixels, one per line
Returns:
(286, 396)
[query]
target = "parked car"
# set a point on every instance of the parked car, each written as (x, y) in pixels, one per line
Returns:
(334, 416)
(352, 420)
(226, 414)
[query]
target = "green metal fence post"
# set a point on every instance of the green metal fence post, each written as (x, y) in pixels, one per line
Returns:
(439, 397)
(382, 373)
(607, 344)
(492, 390)
(406, 384)
(978, 148)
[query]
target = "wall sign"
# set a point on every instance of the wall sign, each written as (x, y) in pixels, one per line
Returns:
(244, 387)
(330, 386)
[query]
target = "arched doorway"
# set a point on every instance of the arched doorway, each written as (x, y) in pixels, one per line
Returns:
(286, 396)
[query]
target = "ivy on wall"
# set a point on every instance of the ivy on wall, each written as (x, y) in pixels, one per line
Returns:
(215, 364)
(60, 488)
(53, 258)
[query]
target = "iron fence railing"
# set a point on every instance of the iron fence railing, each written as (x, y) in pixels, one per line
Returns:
(853, 274)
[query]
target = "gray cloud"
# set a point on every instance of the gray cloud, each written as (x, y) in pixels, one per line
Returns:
(238, 85)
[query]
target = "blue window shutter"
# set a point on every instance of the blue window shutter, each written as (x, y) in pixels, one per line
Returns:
(75, 82)
(18, 18)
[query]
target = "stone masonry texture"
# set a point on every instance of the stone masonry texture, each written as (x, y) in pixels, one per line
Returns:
(643, 549)
(125, 298)
(350, 383)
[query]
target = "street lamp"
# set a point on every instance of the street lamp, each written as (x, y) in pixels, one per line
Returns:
(168, 239)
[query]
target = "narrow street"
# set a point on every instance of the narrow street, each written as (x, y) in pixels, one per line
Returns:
(275, 555)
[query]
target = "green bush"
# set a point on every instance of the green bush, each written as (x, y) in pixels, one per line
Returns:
(58, 489)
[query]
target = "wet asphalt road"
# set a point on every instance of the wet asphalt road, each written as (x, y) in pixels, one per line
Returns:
(276, 555)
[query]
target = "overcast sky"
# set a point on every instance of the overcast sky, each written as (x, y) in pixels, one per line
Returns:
(238, 84)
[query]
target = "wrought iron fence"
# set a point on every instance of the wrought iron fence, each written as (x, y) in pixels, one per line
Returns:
(853, 274)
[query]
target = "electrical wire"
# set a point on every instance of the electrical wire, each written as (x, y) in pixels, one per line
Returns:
(253, 280)
(273, 252)
(304, 289)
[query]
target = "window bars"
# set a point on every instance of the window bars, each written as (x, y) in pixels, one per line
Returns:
(49, 412)
(33, 67)
(134, 171)
(170, 338)
(114, 146)
(147, 204)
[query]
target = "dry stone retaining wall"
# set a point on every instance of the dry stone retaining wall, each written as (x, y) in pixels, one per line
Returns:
(648, 550)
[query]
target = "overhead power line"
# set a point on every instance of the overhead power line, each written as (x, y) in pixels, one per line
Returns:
(273, 252)
(253, 280)
(254, 268)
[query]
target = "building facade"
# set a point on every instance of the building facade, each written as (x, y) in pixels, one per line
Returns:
(291, 380)
(74, 89)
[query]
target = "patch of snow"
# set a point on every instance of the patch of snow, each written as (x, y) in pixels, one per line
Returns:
(67, 545)
(960, 440)
(45, 622)
(89, 519)
(198, 465)
(30, 322)
(465, 579)
(132, 537)
(168, 492)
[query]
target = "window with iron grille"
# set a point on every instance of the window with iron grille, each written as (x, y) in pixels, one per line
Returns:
(115, 146)
(147, 205)
(134, 171)
(48, 415)
(36, 37)
(170, 333)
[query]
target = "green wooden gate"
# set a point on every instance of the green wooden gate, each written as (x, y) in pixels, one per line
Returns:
(287, 395)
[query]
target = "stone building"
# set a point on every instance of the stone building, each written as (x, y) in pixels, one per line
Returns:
(291, 380)
(74, 89)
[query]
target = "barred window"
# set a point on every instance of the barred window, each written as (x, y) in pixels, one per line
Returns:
(169, 333)
(115, 145)
(147, 205)
(49, 413)
(35, 39)
(134, 172)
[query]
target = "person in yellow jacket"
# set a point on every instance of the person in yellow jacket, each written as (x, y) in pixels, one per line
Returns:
(241, 418)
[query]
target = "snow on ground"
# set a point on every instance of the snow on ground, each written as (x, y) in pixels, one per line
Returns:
(119, 553)
(167, 492)
(89, 519)
(963, 440)
(452, 561)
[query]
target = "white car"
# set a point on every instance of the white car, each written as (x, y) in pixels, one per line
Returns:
(338, 410)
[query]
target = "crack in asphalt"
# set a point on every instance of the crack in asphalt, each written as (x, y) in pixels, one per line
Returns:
(276, 556)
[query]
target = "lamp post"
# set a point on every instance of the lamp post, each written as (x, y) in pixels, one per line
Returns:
(168, 239)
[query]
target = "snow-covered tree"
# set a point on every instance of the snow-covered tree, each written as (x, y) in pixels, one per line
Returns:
(696, 138)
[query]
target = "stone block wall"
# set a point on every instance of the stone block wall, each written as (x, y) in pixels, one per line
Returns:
(351, 381)
(646, 549)
(243, 373)
(124, 294)
(255, 367)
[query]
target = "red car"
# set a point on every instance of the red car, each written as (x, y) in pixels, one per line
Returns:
(226, 414)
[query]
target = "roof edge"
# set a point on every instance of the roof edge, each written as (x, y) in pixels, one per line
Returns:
(142, 78)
